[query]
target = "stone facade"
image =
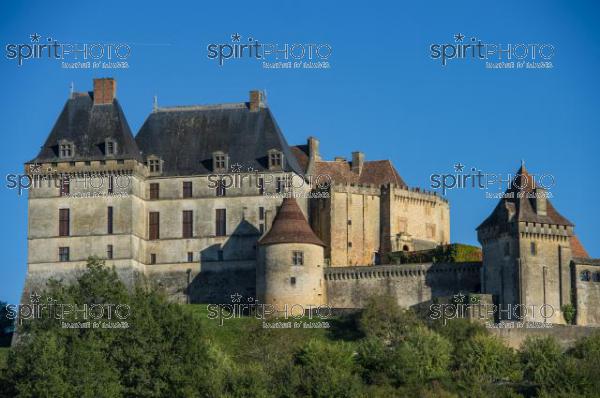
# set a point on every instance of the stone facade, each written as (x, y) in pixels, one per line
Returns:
(191, 203)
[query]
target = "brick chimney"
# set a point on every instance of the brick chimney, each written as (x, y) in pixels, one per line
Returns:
(105, 90)
(257, 100)
(358, 160)
(540, 201)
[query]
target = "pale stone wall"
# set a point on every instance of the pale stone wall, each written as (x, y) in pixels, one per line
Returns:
(211, 280)
(587, 293)
(420, 215)
(275, 272)
(354, 223)
(542, 280)
(410, 284)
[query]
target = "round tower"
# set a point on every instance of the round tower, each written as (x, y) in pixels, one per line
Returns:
(290, 262)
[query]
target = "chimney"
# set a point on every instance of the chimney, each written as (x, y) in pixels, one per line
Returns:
(105, 90)
(358, 159)
(257, 100)
(313, 149)
(540, 201)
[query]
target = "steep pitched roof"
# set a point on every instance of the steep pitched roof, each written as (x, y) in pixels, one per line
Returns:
(290, 226)
(377, 172)
(577, 249)
(88, 126)
(186, 138)
(301, 154)
(521, 205)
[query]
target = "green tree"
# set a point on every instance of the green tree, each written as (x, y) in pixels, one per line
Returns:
(484, 359)
(541, 359)
(382, 318)
(326, 370)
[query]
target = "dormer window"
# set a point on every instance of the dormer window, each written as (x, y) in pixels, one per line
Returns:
(110, 147)
(220, 161)
(154, 165)
(275, 159)
(66, 149)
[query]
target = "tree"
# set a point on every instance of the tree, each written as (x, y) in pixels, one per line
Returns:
(326, 370)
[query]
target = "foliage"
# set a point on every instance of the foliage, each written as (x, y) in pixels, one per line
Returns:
(569, 313)
(382, 318)
(171, 350)
(6, 325)
(453, 253)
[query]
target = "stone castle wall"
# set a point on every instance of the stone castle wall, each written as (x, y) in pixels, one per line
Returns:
(411, 284)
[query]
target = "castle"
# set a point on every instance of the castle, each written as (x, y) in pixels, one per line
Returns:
(210, 201)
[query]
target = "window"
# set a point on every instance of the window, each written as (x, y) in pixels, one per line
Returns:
(109, 220)
(109, 252)
(297, 258)
(65, 150)
(190, 257)
(63, 222)
(585, 276)
(261, 228)
(220, 161)
(275, 159)
(349, 222)
(261, 213)
(188, 224)
(221, 190)
(349, 244)
(154, 165)
(261, 186)
(187, 189)
(152, 258)
(597, 276)
(221, 222)
(110, 147)
(111, 184)
(64, 186)
(279, 185)
(293, 280)
(63, 254)
(220, 255)
(154, 226)
(405, 248)
(154, 190)
(533, 249)
(507, 249)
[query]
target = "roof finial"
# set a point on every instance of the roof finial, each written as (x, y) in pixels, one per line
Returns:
(155, 103)
(522, 162)
(71, 89)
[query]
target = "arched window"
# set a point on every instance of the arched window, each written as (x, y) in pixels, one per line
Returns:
(405, 248)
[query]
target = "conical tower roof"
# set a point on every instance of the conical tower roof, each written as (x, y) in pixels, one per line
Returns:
(290, 226)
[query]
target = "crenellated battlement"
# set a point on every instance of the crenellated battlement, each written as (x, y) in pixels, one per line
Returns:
(398, 271)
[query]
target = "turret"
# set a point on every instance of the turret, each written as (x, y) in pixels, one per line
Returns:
(290, 263)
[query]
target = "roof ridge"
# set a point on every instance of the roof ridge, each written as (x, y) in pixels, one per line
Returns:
(226, 105)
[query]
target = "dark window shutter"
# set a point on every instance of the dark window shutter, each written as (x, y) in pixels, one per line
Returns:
(63, 222)
(154, 227)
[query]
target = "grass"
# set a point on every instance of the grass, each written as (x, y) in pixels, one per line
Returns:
(246, 339)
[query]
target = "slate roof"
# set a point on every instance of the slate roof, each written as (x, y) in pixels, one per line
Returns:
(523, 207)
(186, 138)
(290, 226)
(88, 126)
(377, 172)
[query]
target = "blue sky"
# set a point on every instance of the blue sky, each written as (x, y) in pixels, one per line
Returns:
(383, 94)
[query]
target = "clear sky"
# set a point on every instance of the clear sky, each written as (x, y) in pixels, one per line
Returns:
(383, 94)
